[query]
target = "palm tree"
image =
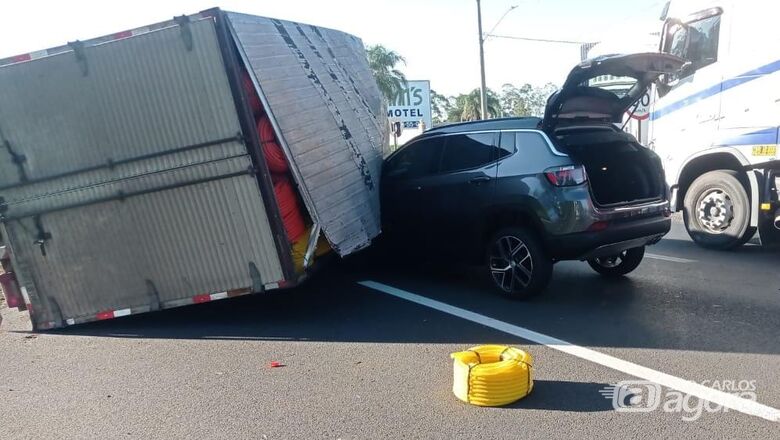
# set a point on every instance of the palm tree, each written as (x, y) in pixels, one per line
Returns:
(391, 81)
(469, 107)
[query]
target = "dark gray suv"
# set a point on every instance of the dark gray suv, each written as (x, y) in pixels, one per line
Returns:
(520, 194)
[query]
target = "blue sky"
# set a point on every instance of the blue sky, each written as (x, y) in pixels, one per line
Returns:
(438, 38)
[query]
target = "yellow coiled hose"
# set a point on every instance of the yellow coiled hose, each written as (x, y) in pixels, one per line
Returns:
(492, 375)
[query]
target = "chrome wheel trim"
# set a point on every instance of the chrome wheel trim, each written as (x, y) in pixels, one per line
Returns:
(715, 211)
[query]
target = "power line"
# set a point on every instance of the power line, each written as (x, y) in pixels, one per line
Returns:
(541, 40)
(490, 32)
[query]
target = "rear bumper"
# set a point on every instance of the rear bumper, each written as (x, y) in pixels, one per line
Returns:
(617, 237)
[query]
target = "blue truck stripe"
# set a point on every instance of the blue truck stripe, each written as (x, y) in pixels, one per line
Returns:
(717, 88)
(761, 137)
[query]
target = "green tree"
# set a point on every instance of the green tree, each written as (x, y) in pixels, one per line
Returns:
(541, 95)
(526, 100)
(383, 62)
(468, 107)
(514, 100)
(440, 106)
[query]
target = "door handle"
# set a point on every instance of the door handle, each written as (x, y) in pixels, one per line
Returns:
(479, 180)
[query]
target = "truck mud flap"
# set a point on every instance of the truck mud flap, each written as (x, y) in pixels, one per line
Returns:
(769, 209)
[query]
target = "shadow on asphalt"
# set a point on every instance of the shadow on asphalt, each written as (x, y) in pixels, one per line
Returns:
(686, 246)
(579, 306)
(328, 308)
(562, 395)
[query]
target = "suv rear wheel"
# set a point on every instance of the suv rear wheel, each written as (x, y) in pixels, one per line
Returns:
(517, 264)
(619, 264)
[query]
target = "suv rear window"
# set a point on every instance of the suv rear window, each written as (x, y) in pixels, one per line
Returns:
(465, 151)
(529, 141)
(506, 145)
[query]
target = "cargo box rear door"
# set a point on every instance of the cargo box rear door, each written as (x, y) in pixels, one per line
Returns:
(329, 117)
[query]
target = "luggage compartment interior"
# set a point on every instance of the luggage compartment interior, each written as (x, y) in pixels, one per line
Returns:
(620, 170)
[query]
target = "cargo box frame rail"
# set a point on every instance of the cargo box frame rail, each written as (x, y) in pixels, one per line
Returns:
(117, 227)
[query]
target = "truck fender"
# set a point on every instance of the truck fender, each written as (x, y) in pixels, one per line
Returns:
(752, 176)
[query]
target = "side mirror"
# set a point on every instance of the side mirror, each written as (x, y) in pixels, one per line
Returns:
(668, 30)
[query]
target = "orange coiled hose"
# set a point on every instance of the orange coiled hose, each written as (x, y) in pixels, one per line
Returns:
(290, 209)
(274, 156)
(249, 88)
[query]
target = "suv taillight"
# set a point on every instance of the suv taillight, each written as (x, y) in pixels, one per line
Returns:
(569, 175)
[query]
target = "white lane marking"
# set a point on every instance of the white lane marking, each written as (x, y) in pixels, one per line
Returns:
(692, 388)
(667, 258)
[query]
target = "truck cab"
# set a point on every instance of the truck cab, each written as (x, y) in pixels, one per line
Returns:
(715, 122)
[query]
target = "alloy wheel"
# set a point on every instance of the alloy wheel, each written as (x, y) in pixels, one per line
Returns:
(511, 265)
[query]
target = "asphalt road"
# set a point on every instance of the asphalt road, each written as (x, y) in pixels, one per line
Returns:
(359, 363)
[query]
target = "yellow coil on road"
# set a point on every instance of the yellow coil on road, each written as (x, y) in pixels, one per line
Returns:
(492, 375)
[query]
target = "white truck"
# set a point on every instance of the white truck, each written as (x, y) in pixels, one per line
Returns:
(715, 123)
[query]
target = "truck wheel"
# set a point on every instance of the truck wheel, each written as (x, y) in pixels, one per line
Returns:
(717, 210)
(517, 263)
(620, 264)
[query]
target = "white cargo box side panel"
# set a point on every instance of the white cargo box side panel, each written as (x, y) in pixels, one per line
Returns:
(176, 216)
(330, 118)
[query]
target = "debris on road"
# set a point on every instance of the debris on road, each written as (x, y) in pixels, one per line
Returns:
(492, 375)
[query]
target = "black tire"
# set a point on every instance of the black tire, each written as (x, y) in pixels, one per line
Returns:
(620, 264)
(716, 211)
(517, 265)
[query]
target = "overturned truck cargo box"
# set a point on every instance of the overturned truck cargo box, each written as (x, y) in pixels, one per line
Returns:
(210, 156)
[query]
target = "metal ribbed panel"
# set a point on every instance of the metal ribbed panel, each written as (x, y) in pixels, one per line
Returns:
(327, 106)
(62, 120)
(64, 199)
(192, 230)
(180, 243)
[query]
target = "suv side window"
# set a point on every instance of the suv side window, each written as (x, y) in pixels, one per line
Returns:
(530, 141)
(506, 145)
(466, 151)
(416, 160)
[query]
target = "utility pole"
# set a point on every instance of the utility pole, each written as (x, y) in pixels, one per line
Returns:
(482, 90)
